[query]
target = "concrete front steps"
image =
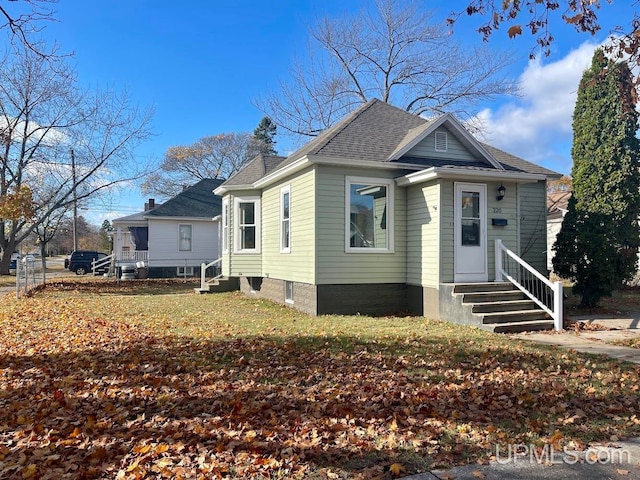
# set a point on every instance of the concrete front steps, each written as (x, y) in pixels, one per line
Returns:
(500, 307)
(222, 284)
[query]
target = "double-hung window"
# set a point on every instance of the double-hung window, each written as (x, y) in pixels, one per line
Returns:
(285, 219)
(247, 225)
(225, 225)
(369, 215)
(184, 238)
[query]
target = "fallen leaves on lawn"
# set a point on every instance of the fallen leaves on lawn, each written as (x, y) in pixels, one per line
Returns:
(84, 396)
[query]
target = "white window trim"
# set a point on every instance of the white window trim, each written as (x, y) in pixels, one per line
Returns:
(190, 240)
(225, 225)
(289, 300)
(435, 141)
(284, 190)
(184, 271)
(236, 225)
(389, 183)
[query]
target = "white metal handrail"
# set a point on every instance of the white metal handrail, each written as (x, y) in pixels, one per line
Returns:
(203, 270)
(546, 294)
(101, 262)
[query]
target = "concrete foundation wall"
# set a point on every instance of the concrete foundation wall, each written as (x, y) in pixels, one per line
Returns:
(170, 272)
(453, 311)
(367, 299)
(423, 301)
(304, 294)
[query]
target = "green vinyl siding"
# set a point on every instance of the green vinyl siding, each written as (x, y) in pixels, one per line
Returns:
(298, 265)
(334, 265)
(503, 209)
(226, 256)
(455, 149)
(507, 209)
(533, 225)
(446, 231)
(241, 264)
(423, 234)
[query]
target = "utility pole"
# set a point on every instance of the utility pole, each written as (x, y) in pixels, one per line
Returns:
(75, 201)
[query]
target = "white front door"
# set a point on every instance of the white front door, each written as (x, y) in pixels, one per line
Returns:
(470, 237)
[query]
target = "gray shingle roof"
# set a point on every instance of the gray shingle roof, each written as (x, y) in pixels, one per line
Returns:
(195, 201)
(374, 132)
(254, 170)
(370, 133)
(511, 162)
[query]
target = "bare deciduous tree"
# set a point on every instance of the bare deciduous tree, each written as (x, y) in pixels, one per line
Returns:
(536, 16)
(44, 117)
(215, 156)
(24, 19)
(396, 52)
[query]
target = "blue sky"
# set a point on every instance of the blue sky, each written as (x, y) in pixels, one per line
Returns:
(201, 63)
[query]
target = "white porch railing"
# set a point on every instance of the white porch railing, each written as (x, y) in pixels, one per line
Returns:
(203, 271)
(547, 294)
(133, 256)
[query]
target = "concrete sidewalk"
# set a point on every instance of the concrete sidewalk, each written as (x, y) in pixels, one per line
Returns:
(611, 460)
(594, 341)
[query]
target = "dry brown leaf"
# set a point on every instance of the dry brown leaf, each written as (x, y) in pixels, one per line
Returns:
(397, 469)
(514, 31)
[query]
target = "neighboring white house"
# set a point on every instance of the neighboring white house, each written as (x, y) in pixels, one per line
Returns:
(556, 210)
(174, 238)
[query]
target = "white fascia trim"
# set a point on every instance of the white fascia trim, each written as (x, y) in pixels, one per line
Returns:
(459, 128)
(429, 128)
(347, 162)
(308, 160)
(453, 121)
(217, 218)
(182, 219)
(283, 172)
(463, 174)
(132, 223)
(221, 190)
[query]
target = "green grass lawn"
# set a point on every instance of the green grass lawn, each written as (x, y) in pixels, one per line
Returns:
(146, 379)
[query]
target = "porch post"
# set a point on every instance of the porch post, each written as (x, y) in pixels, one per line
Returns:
(498, 260)
(557, 306)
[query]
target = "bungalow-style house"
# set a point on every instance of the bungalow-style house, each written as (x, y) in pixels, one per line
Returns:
(384, 212)
(174, 238)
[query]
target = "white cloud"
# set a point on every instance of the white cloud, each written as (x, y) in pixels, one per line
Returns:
(537, 125)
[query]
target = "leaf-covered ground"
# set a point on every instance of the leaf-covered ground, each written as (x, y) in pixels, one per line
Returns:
(97, 381)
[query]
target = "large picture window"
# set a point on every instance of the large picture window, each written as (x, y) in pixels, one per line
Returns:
(184, 232)
(369, 214)
(285, 219)
(247, 225)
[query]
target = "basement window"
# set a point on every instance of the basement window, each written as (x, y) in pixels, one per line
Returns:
(288, 291)
(185, 271)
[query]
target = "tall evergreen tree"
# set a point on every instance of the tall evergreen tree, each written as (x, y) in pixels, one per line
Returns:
(598, 242)
(264, 134)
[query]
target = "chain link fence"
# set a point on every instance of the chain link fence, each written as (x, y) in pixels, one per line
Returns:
(29, 274)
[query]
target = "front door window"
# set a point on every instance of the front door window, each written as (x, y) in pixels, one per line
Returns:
(470, 219)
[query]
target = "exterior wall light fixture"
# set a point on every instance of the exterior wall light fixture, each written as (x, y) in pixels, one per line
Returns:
(501, 192)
